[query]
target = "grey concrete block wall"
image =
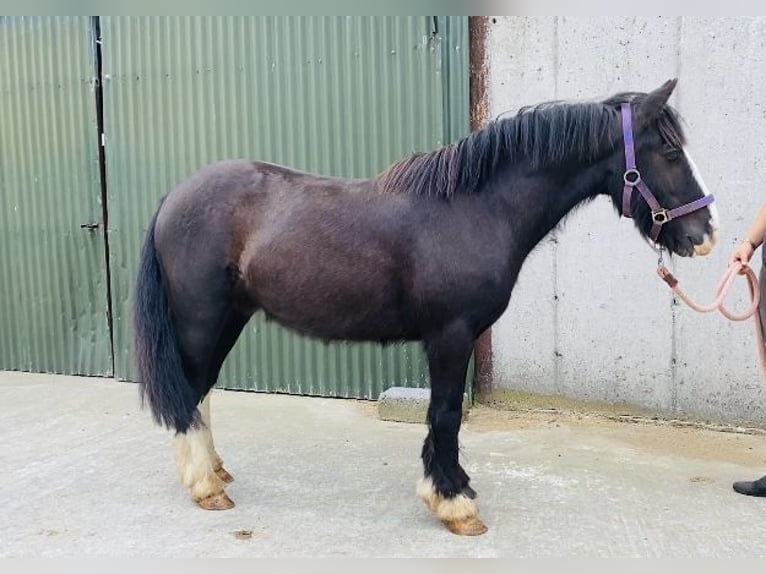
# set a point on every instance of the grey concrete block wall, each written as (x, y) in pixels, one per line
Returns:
(589, 318)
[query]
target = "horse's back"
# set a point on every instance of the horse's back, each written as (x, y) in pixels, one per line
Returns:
(234, 192)
(285, 236)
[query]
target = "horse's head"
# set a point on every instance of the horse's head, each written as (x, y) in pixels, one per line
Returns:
(660, 185)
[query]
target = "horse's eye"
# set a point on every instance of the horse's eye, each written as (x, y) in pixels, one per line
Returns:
(672, 154)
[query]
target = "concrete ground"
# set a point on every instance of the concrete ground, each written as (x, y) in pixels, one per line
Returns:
(87, 474)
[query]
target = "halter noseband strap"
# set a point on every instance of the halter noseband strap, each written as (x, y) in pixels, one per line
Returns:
(632, 179)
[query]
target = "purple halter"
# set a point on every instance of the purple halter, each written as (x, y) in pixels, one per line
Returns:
(632, 179)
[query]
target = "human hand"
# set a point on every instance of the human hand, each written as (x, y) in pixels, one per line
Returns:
(742, 254)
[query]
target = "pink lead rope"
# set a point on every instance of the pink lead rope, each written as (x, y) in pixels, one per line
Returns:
(717, 305)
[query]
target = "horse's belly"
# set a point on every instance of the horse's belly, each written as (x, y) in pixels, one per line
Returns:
(350, 322)
(331, 307)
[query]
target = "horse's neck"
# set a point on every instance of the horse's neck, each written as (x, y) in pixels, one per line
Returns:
(535, 204)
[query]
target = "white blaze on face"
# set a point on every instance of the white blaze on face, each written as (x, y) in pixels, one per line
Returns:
(709, 240)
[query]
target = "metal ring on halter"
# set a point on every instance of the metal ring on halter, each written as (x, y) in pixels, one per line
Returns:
(661, 216)
(631, 173)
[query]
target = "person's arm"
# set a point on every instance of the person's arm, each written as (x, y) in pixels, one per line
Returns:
(753, 239)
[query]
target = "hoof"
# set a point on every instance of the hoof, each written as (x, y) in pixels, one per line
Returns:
(468, 527)
(224, 475)
(458, 513)
(218, 501)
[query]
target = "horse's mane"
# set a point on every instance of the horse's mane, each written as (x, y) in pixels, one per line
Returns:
(545, 135)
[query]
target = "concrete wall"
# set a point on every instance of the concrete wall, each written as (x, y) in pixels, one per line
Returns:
(589, 318)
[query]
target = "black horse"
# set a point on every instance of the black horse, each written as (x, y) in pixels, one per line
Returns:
(429, 250)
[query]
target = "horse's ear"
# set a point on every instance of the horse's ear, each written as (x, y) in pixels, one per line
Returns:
(652, 105)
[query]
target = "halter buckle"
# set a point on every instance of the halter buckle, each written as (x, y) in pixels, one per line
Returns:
(631, 177)
(660, 216)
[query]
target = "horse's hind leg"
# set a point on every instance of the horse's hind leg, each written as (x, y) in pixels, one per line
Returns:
(205, 345)
(217, 460)
(444, 487)
(196, 466)
(232, 328)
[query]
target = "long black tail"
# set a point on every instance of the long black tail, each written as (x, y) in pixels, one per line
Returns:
(172, 399)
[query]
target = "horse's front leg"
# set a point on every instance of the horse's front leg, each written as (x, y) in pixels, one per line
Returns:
(445, 485)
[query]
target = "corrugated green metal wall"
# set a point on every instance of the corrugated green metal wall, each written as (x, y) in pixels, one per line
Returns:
(336, 95)
(53, 296)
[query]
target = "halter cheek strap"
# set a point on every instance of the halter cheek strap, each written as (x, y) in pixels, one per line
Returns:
(632, 180)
